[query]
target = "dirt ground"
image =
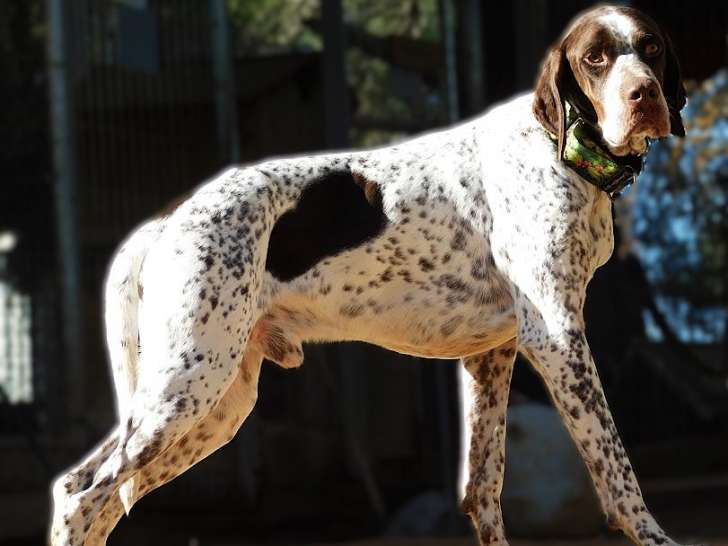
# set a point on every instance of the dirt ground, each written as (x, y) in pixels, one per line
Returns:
(696, 518)
(514, 542)
(691, 518)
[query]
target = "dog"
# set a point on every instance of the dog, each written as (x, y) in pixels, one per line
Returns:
(470, 243)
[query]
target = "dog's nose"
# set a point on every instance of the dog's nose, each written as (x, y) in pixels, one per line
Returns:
(643, 91)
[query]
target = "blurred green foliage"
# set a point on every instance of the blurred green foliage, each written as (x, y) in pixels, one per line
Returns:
(281, 26)
(681, 215)
(273, 26)
(412, 18)
(399, 99)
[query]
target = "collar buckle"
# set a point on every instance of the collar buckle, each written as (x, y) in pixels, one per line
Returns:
(622, 180)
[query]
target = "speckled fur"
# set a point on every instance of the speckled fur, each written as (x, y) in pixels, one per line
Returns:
(486, 380)
(488, 247)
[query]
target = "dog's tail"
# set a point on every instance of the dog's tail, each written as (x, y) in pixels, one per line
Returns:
(122, 295)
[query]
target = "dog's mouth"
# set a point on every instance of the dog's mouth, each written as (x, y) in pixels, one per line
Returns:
(640, 128)
(635, 145)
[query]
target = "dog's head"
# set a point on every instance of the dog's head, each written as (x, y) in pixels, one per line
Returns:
(616, 66)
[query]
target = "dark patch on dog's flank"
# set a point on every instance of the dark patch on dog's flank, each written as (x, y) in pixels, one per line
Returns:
(332, 215)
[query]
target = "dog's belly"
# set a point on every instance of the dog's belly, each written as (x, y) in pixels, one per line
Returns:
(420, 330)
(430, 338)
(432, 292)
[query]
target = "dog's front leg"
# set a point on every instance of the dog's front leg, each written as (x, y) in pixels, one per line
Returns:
(486, 380)
(551, 335)
(549, 246)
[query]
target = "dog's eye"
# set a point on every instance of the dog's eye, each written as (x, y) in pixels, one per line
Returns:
(652, 48)
(595, 57)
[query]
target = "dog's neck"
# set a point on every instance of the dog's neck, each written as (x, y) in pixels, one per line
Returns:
(587, 155)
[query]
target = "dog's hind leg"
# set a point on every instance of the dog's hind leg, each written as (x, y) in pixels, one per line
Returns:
(210, 434)
(82, 475)
(67, 488)
(201, 282)
(133, 447)
(486, 381)
(161, 414)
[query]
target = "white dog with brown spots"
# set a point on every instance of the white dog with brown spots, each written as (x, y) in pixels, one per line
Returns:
(470, 243)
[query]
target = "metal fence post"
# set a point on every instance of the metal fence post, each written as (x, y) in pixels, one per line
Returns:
(442, 370)
(447, 38)
(336, 93)
(71, 372)
(224, 74)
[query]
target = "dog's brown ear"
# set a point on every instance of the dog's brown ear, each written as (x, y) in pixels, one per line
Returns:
(549, 96)
(672, 87)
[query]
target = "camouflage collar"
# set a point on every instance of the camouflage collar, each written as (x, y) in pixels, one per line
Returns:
(585, 153)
